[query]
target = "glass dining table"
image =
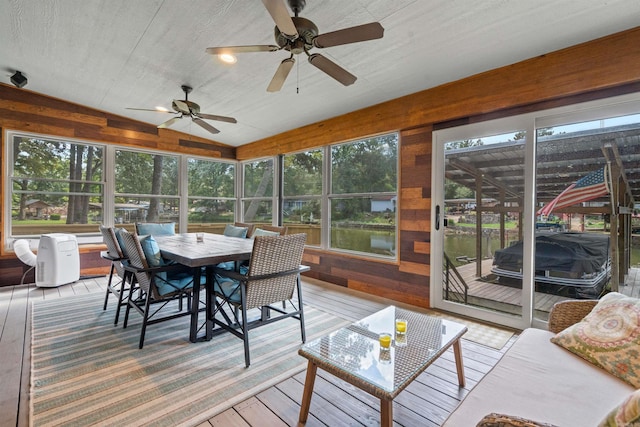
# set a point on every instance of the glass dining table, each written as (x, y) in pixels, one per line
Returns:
(184, 248)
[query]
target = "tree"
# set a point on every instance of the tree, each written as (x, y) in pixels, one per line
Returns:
(32, 158)
(455, 145)
(258, 183)
(153, 213)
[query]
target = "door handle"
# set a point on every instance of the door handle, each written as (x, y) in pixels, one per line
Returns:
(437, 217)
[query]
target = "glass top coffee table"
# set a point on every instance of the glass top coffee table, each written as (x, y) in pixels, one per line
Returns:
(354, 354)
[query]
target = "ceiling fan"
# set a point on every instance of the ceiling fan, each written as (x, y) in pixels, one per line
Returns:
(191, 109)
(297, 35)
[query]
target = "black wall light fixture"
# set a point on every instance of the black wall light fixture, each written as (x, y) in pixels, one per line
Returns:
(18, 79)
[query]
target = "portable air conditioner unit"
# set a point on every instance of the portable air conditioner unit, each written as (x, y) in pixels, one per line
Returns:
(58, 260)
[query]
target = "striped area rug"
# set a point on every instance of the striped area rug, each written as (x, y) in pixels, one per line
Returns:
(85, 371)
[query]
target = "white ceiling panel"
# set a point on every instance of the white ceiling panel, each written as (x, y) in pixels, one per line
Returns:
(114, 54)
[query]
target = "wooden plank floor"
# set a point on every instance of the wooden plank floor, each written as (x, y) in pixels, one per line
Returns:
(426, 402)
(487, 293)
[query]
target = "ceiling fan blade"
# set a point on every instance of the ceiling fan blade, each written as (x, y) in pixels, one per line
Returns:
(150, 109)
(242, 49)
(281, 75)
(205, 125)
(355, 34)
(169, 122)
(280, 14)
(218, 118)
(182, 106)
(332, 69)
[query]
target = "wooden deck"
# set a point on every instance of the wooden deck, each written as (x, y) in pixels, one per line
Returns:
(426, 402)
(508, 299)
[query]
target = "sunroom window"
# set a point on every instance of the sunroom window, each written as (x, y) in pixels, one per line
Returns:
(56, 186)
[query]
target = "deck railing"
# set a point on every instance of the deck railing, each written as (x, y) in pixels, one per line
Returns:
(455, 288)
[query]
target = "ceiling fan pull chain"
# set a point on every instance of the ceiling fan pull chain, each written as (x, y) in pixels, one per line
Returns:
(298, 78)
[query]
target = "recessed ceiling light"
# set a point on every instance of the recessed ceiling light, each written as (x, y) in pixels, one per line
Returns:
(228, 58)
(162, 109)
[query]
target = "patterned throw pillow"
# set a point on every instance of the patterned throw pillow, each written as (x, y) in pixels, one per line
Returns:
(627, 414)
(501, 420)
(608, 337)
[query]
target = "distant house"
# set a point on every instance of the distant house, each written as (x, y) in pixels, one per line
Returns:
(37, 208)
(383, 204)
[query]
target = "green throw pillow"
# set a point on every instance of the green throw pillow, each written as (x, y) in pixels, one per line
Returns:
(608, 337)
(627, 414)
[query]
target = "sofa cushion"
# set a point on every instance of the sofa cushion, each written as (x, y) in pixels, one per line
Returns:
(608, 337)
(540, 381)
(627, 414)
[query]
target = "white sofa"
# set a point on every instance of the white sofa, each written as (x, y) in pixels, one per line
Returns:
(541, 381)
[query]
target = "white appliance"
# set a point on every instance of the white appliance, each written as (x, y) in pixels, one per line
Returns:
(58, 260)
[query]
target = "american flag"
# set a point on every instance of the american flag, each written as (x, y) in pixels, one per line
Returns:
(586, 188)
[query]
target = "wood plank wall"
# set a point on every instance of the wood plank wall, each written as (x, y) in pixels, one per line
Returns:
(601, 68)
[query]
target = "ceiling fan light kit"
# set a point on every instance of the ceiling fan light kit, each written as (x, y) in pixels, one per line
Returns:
(297, 35)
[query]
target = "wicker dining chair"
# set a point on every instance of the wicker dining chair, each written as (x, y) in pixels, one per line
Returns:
(273, 276)
(156, 285)
(119, 279)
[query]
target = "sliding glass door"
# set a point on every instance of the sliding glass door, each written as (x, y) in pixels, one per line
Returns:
(479, 208)
(523, 210)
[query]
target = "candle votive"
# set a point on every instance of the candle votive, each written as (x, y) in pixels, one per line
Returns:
(199, 237)
(401, 326)
(385, 341)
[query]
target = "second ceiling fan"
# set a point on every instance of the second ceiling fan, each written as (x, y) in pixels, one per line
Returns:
(297, 35)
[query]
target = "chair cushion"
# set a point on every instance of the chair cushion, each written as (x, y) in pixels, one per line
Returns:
(174, 282)
(233, 231)
(608, 337)
(156, 229)
(228, 287)
(151, 251)
(229, 265)
(626, 414)
(120, 239)
(261, 232)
